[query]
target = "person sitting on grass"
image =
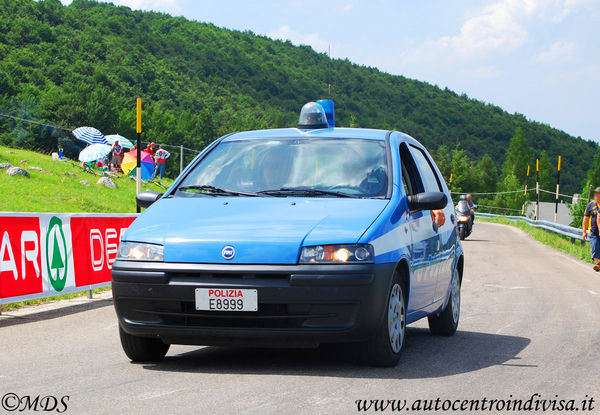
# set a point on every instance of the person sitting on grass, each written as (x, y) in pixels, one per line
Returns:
(591, 221)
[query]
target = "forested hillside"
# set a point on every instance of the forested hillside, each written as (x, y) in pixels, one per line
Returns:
(84, 64)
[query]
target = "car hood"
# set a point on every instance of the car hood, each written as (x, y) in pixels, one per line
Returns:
(262, 230)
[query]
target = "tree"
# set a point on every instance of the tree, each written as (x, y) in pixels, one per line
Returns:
(462, 172)
(593, 175)
(486, 174)
(84, 64)
(547, 178)
(592, 181)
(443, 159)
(518, 157)
(508, 203)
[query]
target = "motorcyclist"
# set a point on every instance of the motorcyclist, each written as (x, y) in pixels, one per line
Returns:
(472, 206)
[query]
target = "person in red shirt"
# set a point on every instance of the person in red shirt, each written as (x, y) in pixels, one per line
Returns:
(161, 156)
(150, 148)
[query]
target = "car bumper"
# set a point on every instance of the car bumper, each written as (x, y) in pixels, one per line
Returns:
(298, 305)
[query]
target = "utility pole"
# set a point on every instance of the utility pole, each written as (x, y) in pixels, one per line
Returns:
(557, 191)
(138, 170)
(180, 158)
(525, 193)
(537, 189)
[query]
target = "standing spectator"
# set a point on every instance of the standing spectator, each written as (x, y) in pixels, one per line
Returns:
(161, 156)
(150, 148)
(117, 156)
(590, 228)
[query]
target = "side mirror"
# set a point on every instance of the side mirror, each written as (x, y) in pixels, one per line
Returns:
(427, 201)
(145, 199)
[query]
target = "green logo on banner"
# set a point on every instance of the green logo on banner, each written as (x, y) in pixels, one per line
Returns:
(56, 254)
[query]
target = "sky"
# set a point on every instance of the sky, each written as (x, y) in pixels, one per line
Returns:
(540, 58)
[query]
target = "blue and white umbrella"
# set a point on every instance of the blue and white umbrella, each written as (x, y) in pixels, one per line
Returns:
(110, 139)
(94, 152)
(89, 135)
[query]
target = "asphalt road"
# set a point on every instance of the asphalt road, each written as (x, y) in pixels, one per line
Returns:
(529, 324)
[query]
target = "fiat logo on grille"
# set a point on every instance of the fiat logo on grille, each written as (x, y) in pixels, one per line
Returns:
(228, 252)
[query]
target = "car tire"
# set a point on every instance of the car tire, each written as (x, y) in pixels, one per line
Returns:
(385, 349)
(445, 322)
(142, 349)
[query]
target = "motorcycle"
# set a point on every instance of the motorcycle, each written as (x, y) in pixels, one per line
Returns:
(464, 219)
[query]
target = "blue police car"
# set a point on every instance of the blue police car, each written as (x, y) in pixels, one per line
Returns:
(293, 237)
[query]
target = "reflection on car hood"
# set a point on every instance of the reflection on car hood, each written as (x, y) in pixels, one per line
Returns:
(261, 229)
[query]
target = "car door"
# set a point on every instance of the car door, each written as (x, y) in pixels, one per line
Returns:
(442, 245)
(424, 238)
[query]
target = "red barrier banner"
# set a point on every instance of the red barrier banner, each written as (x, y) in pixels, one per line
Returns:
(46, 254)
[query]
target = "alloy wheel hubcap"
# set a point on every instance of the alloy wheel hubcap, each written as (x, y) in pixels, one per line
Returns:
(455, 297)
(396, 318)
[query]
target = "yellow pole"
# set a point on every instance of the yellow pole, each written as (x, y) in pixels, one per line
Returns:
(138, 130)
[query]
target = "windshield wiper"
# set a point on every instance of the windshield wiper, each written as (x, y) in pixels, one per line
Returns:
(304, 191)
(214, 191)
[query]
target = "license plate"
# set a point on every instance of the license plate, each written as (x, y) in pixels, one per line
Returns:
(226, 299)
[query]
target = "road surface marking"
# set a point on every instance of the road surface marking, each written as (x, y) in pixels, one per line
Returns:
(515, 287)
(111, 326)
(507, 326)
(157, 394)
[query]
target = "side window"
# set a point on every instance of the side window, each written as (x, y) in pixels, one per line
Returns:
(431, 182)
(411, 179)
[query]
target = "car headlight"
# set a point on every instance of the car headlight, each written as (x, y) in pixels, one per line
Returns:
(137, 251)
(361, 253)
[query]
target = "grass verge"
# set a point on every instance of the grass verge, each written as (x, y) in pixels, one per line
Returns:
(554, 240)
(21, 304)
(58, 188)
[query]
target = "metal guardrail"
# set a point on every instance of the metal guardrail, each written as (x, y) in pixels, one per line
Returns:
(565, 230)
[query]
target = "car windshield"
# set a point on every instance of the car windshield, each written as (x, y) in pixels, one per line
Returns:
(323, 167)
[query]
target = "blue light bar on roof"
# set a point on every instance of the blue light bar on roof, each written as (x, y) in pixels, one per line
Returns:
(328, 106)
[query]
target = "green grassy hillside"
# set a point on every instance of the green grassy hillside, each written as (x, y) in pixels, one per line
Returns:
(57, 187)
(84, 64)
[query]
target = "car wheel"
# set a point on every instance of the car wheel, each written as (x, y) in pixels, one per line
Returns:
(385, 349)
(142, 349)
(445, 323)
